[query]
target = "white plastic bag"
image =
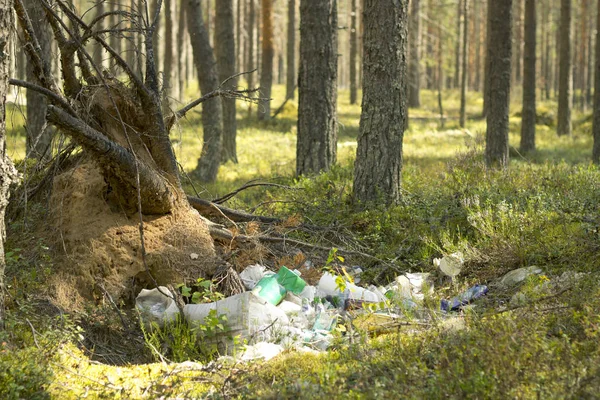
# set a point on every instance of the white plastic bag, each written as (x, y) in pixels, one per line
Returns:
(154, 306)
(252, 274)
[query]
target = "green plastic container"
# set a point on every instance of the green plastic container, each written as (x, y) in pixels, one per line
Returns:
(290, 281)
(269, 289)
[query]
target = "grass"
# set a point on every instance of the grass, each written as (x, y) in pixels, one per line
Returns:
(543, 210)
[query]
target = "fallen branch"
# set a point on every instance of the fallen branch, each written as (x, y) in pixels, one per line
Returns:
(249, 185)
(208, 208)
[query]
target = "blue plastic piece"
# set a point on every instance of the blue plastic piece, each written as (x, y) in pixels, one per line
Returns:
(463, 299)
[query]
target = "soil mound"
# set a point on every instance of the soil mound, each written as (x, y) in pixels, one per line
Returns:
(99, 246)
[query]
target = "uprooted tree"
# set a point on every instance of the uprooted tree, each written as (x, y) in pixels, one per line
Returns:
(117, 207)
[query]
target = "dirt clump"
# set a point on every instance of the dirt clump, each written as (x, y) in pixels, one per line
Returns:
(98, 245)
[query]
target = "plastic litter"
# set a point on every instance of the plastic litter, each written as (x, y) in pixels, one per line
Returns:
(328, 287)
(450, 265)
(154, 306)
(463, 299)
(251, 275)
(269, 289)
(261, 350)
(517, 276)
(247, 315)
(290, 280)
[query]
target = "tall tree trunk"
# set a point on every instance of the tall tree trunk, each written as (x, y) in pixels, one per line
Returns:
(250, 63)
(500, 57)
(596, 123)
(590, 62)
(546, 37)
(7, 172)
(39, 134)
(169, 82)
(239, 40)
(529, 79)
(153, 9)
(458, 43)
(486, 74)
(378, 166)
(565, 95)
(181, 51)
(290, 84)
(477, 36)
(353, 53)
(98, 55)
(414, 92)
(212, 118)
(115, 40)
(267, 54)
(317, 87)
(518, 41)
(225, 52)
(465, 56)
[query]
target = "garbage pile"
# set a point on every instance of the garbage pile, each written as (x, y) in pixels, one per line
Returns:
(280, 310)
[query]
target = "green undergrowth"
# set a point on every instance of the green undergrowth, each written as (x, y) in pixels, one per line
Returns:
(544, 210)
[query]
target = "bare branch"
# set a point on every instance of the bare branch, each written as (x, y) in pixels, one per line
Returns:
(249, 185)
(53, 96)
(206, 207)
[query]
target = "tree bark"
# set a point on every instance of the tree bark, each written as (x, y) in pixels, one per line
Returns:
(377, 170)
(181, 51)
(169, 85)
(477, 37)
(529, 79)
(565, 90)
(212, 118)
(317, 87)
(267, 54)
(225, 52)
(465, 57)
(500, 56)
(353, 53)
(291, 78)
(486, 73)
(518, 41)
(458, 43)
(596, 123)
(414, 92)
(7, 172)
(250, 64)
(39, 135)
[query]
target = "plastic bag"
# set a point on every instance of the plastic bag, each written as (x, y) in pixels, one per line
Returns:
(154, 306)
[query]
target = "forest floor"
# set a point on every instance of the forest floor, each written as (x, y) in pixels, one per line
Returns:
(544, 210)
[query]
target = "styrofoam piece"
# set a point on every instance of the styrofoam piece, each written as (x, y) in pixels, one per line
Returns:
(261, 350)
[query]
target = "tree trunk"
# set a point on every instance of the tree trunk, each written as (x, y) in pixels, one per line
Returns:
(115, 40)
(181, 51)
(596, 123)
(565, 90)
(353, 53)
(414, 92)
(212, 118)
(239, 40)
(529, 79)
(98, 49)
(518, 41)
(225, 52)
(7, 172)
(486, 74)
(169, 85)
(378, 166)
(267, 54)
(477, 36)
(458, 43)
(250, 64)
(499, 55)
(39, 134)
(290, 84)
(317, 87)
(465, 56)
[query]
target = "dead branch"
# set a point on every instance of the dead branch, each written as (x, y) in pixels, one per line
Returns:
(249, 185)
(52, 95)
(209, 208)
(282, 106)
